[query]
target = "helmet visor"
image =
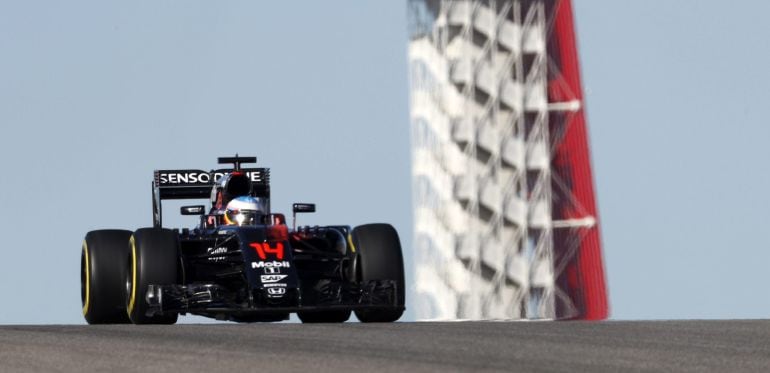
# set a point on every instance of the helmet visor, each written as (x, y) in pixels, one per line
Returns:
(241, 217)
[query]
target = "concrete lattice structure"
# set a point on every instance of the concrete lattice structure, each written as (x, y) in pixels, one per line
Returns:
(501, 230)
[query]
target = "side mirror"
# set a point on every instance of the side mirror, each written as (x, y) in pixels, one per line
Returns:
(192, 210)
(301, 208)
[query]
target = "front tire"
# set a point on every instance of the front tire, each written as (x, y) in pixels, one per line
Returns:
(101, 276)
(153, 260)
(380, 258)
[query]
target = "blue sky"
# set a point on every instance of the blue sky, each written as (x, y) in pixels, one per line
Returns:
(95, 95)
(676, 97)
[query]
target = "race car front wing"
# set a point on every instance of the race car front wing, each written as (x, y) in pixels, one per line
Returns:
(216, 299)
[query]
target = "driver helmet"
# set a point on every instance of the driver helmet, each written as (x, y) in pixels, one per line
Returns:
(243, 211)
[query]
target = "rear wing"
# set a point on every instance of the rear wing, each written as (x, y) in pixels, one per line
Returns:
(197, 184)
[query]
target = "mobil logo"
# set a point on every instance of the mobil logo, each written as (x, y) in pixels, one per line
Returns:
(273, 264)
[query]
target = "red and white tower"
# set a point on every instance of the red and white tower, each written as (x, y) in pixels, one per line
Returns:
(506, 224)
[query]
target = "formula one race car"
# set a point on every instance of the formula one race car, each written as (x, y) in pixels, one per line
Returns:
(242, 262)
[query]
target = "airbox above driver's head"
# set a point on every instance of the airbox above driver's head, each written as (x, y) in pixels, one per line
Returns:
(236, 185)
(231, 186)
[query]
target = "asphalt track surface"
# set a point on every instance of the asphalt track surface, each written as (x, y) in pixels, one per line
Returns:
(615, 346)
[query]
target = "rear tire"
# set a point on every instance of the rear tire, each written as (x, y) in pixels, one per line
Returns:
(380, 258)
(153, 259)
(333, 316)
(101, 276)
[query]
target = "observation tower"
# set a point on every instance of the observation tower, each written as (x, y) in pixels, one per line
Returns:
(505, 216)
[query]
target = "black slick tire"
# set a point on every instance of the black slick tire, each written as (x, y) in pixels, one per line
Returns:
(102, 272)
(380, 258)
(331, 316)
(153, 259)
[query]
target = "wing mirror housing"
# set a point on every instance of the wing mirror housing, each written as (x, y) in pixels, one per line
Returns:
(192, 210)
(303, 207)
(300, 208)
